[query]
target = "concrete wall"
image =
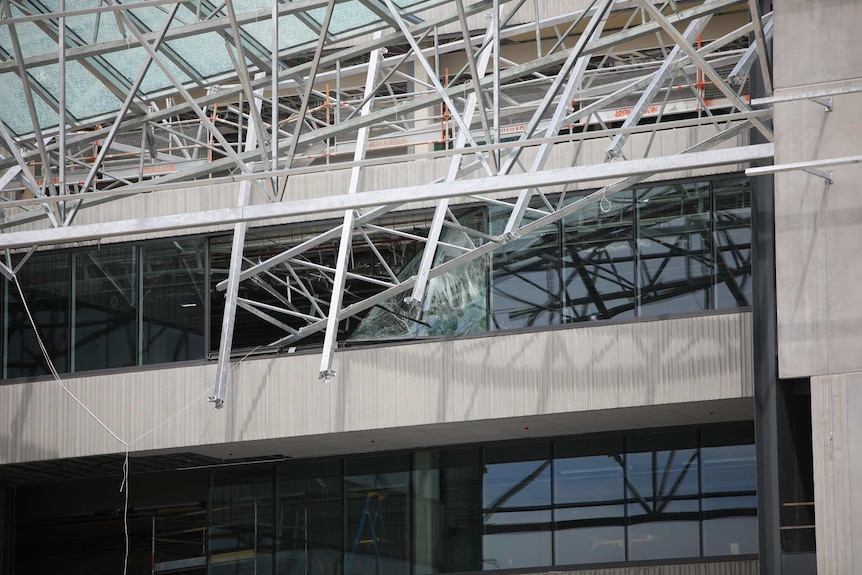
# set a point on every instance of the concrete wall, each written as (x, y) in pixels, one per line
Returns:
(741, 567)
(819, 258)
(837, 434)
(643, 373)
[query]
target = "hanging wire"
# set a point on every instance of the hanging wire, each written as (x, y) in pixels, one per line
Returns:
(124, 484)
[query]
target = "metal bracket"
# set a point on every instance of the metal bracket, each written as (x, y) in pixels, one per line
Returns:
(825, 102)
(826, 175)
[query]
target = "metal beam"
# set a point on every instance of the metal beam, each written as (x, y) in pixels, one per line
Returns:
(355, 185)
(389, 197)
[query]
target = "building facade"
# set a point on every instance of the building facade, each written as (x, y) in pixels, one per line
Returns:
(434, 286)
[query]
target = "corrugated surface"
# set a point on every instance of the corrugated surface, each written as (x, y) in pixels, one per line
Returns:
(740, 567)
(435, 384)
(836, 433)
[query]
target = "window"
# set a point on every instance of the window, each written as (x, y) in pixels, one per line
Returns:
(729, 492)
(45, 282)
(641, 496)
(377, 515)
(173, 311)
(447, 511)
(516, 505)
(662, 495)
(599, 260)
(105, 308)
(240, 522)
(589, 509)
(308, 525)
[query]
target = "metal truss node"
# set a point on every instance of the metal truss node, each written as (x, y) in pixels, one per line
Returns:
(501, 104)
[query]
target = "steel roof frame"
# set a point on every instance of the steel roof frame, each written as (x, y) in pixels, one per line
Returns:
(279, 138)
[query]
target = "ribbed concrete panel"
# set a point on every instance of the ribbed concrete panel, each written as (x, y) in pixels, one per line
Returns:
(335, 182)
(741, 567)
(428, 387)
(836, 431)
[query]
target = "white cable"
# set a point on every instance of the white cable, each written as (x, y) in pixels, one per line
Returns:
(124, 484)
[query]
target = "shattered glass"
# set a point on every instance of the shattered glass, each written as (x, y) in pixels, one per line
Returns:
(455, 303)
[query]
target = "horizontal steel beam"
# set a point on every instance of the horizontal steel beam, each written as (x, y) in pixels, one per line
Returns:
(813, 94)
(396, 196)
(798, 166)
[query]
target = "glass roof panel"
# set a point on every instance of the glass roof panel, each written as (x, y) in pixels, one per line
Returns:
(206, 53)
(14, 112)
(91, 28)
(33, 40)
(345, 16)
(87, 96)
(129, 63)
(152, 18)
(292, 33)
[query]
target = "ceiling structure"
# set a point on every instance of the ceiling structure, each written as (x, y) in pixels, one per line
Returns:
(156, 96)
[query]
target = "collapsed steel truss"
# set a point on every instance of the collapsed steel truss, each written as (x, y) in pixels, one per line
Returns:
(365, 75)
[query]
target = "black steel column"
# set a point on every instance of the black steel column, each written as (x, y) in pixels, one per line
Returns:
(765, 353)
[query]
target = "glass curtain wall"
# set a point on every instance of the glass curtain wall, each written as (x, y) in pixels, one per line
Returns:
(173, 303)
(45, 280)
(122, 305)
(729, 492)
(240, 533)
(662, 495)
(377, 515)
(652, 495)
(680, 247)
(308, 524)
(105, 308)
(447, 515)
(589, 510)
(599, 260)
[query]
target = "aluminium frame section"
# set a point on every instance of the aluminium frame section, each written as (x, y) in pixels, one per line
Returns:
(238, 243)
(345, 244)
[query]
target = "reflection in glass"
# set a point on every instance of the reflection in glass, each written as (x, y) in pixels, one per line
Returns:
(308, 526)
(516, 502)
(447, 515)
(729, 481)
(240, 521)
(525, 276)
(106, 307)
(732, 250)
(598, 260)
(377, 511)
(45, 280)
(662, 494)
(673, 248)
(173, 301)
(589, 510)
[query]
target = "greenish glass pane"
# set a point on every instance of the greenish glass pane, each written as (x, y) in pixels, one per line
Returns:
(377, 515)
(673, 239)
(105, 308)
(173, 301)
(45, 281)
(599, 259)
(447, 502)
(732, 243)
(309, 518)
(240, 526)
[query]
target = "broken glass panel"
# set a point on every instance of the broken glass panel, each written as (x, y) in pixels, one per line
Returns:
(455, 303)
